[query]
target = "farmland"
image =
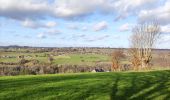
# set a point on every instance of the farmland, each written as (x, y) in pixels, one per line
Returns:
(76, 56)
(15, 61)
(60, 59)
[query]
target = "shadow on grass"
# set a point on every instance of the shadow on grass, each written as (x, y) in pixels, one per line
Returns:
(72, 87)
(115, 90)
(29, 80)
(100, 86)
(142, 87)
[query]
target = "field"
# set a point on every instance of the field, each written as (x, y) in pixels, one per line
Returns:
(35, 61)
(75, 56)
(154, 85)
(81, 59)
(89, 59)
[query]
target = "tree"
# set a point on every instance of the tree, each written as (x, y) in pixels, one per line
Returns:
(117, 55)
(143, 39)
(50, 59)
(23, 61)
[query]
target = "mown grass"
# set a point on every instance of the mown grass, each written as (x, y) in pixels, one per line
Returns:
(153, 85)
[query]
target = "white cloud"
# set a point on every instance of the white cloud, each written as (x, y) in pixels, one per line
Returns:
(163, 41)
(41, 35)
(165, 29)
(23, 9)
(51, 24)
(100, 26)
(53, 32)
(96, 37)
(73, 26)
(79, 26)
(82, 35)
(166, 38)
(125, 27)
(32, 24)
(116, 37)
(126, 8)
(27, 37)
(89, 38)
(77, 36)
(35, 9)
(73, 8)
(40, 9)
(76, 8)
(161, 14)
(84, 28)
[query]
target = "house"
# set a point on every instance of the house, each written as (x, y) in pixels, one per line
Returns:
(97, 70)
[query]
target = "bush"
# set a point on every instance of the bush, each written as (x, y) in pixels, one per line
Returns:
(23, 61)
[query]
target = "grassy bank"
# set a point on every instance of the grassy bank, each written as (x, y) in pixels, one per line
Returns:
(153, 85)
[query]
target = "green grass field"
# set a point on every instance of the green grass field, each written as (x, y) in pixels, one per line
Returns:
(79, 59)
(40, 57)
(154, 85)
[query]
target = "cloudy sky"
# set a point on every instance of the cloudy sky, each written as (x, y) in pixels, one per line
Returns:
(79, 23)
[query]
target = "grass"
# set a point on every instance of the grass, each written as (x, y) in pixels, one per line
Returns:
(87, 59)
(80, 59)
(16, 54)
(153, 85)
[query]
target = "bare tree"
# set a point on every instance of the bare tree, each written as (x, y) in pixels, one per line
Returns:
(117, 55)
(143, 40)
(50, 59)
(134, 58)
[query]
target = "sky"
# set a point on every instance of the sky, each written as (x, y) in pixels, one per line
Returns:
(79, 23)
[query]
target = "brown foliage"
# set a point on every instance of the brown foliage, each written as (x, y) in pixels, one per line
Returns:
(117, 55)
(142, 41)
(50, 59)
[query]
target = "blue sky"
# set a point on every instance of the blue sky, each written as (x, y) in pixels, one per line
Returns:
(79, 23)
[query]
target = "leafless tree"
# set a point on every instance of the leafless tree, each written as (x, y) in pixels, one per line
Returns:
(117, 55)
(143, 39)
(50, 59)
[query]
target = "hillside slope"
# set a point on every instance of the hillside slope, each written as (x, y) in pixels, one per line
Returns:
(89, 86)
